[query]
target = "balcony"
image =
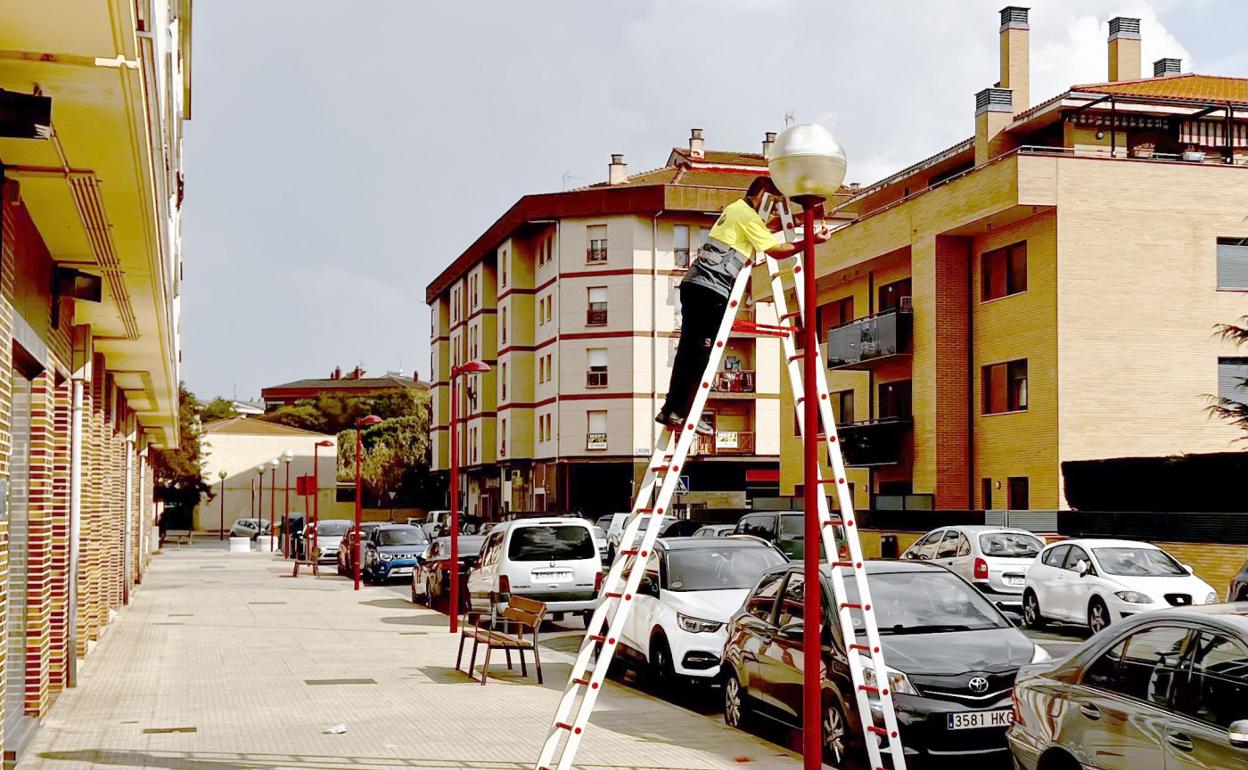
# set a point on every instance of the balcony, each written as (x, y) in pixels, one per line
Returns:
(596, 317)
(595, 441)
(874, 442)
(595, 379)
(726, 442)
(862, 343)
(733, 381)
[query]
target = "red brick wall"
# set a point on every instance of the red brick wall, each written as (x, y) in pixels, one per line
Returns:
(952, 385)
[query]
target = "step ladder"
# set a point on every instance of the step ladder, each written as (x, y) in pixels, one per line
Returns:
(652, 503)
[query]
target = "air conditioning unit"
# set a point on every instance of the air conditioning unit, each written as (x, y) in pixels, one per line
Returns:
(905, 305)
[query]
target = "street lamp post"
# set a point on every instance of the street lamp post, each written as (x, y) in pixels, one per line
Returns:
(221, 475)
(287, 456)
(807, 165)
(360, 425)
(475, 366)
(316, 497)
(273, 502)
(258, 511)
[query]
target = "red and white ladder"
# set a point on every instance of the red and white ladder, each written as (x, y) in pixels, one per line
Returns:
(653, 502)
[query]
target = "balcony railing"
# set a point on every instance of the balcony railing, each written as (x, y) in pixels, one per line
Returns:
(595, 379)
(860, 343)
(595, 441)
(596, 317)
(733, 381)
(596, 254)
(874, 442)
(726, 442)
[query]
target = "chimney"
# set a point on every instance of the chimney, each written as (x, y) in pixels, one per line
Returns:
(617, 172)
(696, 148)
(1015, 55)
(1164, 67)
(769, 141)
(1124, 49)
(994, 109)
(336, 374)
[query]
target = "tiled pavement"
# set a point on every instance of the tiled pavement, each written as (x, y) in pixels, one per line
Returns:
(208, 669)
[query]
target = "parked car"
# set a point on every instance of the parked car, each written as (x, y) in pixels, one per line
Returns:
(714, 530)
(249, 528)
(600, 540)
(692, 586)
(346, 556)
(431, 580)
(1238, 592)
(392, 550)
(553, 560)
(671, 527)
(438, 517)
(1095, 582)
(952, 657)
(328, 534)
(993, 559)
(1166, 689)
(784, 528)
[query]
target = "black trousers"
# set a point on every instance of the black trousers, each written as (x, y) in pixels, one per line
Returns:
(701, 310)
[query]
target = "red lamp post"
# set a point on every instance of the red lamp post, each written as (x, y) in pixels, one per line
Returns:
(475, 366)
(287, 456)
(360, 425)
(316, 495)
(222, 475)
(257, 502)
(273, 501)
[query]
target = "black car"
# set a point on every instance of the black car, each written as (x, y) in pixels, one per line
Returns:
(392, 550)
(431, 580)
(1238, 591)
(784, 528)
(952, 658)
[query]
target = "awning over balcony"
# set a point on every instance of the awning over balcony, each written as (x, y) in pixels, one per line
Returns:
(1212, 133)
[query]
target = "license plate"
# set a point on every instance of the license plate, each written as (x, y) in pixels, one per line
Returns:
(970, 720)
(401, 571)
(1014, 580)
(553, 576)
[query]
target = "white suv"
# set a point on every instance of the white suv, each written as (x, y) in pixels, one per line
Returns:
(692, 587)
(993, 559)
(552, 560)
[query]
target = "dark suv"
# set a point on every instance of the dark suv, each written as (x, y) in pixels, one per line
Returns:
(952, 659)
(784, 528)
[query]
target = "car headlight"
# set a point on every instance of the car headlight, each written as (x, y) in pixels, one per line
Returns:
(697, 625)
(898, 682)
(1212, 598)
(385, 556)
(1040, 655)
(1134, 597)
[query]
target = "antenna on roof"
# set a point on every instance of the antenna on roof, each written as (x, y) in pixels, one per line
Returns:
(790, 118)
(567, 177)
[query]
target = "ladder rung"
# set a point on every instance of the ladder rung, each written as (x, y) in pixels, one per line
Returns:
(846, 565)
(872, 690)
(881, 731)
(663, 467)
(864, 647)
(831, 481)
(855, 606)
(833, 523)
(566, 726)
(630, 552)
(794, 314)
(619, 594)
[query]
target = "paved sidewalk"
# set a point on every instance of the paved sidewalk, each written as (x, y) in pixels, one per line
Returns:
(209, 669)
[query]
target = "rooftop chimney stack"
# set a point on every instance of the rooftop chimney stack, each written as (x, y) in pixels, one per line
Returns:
(769, 141)
(1015, 55)
(1124, 49)
(696, 148)
(617, 172)
(994, 109)
(1167, 66)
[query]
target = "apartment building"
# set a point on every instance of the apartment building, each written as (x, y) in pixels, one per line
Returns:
(571, 299)
(92, 101)
(1043, 292)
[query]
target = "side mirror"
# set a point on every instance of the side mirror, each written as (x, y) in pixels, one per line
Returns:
(924, 557)
(793, 632)
(1237, 733)
(648, 587)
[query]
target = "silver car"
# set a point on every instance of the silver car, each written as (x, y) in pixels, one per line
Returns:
(993, 559)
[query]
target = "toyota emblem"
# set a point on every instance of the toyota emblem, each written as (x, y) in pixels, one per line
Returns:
(978, 684)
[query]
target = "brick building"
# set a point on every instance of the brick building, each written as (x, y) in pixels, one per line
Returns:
(1044, 291)
(352, 383)
(91, 111)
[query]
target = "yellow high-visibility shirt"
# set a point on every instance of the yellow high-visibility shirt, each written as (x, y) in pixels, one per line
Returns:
(740, 227)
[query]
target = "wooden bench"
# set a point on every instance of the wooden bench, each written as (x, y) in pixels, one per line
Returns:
(514, 627)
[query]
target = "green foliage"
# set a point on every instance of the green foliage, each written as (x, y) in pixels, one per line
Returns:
(178, 473)
(218, 409)
(1235, 412)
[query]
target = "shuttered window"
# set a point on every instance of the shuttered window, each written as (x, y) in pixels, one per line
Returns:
(1232, 373)
(1233, 264)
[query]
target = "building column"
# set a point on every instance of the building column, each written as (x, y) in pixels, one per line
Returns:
(954, 450)
(59, 644)
(39, 543)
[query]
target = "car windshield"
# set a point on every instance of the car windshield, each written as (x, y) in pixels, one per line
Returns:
(926, 602)
(1138, 562)
(555, 542)
(413, 536)
(792, 526)
(1011, 545)
(332, 527)
(718, 568)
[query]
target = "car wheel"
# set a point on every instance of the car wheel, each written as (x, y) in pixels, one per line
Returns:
(1031, 611)
(662, 671)
(1243, 595)
(737, 712)
(1098, 615)
(839, 748)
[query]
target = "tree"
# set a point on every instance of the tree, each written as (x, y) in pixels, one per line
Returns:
(1235, 412)
(218, 409)
(178, 473)
(396, 451)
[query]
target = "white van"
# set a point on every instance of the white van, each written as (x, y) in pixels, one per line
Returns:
(552, 560)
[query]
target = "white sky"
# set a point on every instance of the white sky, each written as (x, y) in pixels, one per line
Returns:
(341, 154)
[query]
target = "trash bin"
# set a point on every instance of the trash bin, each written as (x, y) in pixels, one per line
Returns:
(888, 547)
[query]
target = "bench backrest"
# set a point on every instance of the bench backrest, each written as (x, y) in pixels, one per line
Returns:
(524, 610)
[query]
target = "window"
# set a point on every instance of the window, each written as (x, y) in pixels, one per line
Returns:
(596, 315)
(502, 382)
(473, 280)
(1233, 264)
(596, 249)
(502, 431)
(1005, 387)
(1003, 272)
(596, 375)
(1018, 493)
(680, 245)
(1214, 689)
(895, 401)
(1073, 557)
(763, 601)
(948, 547)
(843, 406)
(550, 304)
(985, 494)
(1055, 556)
(763, 526)
(1103, 672)
(794, 596)
(926, 548)
(1233, 379)
(1150, 663)
(503, 326)
(502, 271)
(541, 311)
(836, 313)
(892, 294)
(557, 542)
(596, 430)
(964, 546)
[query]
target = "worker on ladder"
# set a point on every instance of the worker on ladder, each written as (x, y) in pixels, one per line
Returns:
(736, 239)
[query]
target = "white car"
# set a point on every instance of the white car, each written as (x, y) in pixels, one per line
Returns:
(249, 528)
(328, 534)
(1095, 582)
(552, 560)
(993, 559)
(692, 587)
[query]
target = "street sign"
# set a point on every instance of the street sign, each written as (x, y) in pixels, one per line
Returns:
(682, 485)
